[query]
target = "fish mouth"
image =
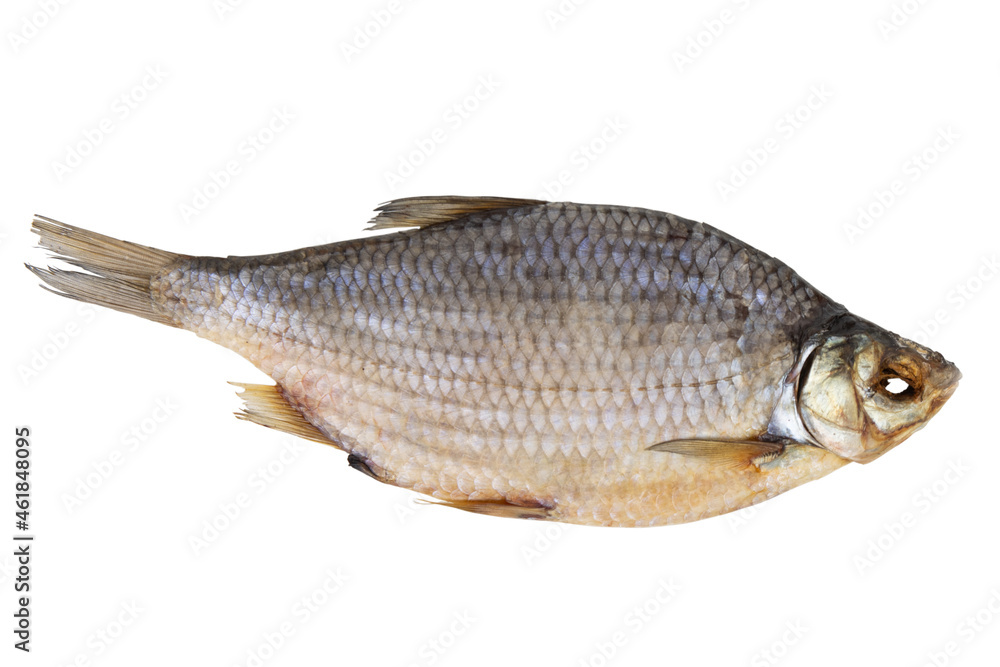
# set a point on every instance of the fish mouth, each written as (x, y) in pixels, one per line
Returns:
(950, 389)
(941, 377)
(948, 377)
(946, 393)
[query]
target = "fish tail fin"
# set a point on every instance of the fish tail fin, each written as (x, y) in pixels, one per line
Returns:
(118, 275)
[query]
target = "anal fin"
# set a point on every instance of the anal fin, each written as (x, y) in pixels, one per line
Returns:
(501, 508)
(265, 405)
(729, 453)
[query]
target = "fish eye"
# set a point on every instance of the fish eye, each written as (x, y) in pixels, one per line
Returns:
(895, 385)
(898, 383)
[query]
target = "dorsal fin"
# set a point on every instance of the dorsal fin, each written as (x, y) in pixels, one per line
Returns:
(424, 211)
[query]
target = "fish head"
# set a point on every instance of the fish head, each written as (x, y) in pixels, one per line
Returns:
(864, 390)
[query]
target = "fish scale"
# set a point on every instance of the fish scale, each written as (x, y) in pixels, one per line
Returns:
(514, 357)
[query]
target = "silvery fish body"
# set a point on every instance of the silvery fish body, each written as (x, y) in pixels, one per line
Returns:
(588, 364)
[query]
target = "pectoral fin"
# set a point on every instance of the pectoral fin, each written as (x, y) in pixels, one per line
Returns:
(735, 453)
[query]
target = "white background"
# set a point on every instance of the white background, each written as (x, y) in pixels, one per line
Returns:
(864, 566)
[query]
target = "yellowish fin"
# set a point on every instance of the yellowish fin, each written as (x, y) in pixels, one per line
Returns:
(499, 508)
(736, 453)
(264, 404)
(118, 272)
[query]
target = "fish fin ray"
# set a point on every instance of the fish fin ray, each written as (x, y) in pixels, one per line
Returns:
(426, 211)
(731, 453)
(118, 273)
(502, 508)
(266, 405)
